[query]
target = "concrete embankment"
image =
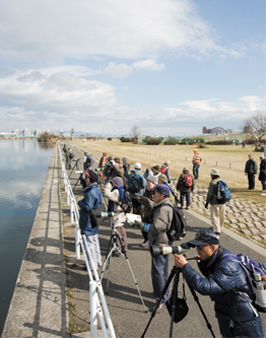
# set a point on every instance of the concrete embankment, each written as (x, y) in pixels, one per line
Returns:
(38, 306)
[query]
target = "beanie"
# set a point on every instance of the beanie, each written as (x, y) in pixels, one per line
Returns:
(162, 178)
(117, 181)
(152, 179)
(155, 169)
(162, 189)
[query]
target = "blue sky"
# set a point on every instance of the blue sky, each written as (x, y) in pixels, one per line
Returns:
(168, 66)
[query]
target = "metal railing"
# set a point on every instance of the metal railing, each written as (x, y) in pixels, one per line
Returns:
(96, 289)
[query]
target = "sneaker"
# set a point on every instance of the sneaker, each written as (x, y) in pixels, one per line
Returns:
(145, 243)
(187, 208)
(161, 307)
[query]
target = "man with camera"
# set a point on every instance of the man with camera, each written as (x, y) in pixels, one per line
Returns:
(225, 282)
(161, 221)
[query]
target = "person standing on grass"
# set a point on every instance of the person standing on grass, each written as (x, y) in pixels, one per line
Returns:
(251, 170)
(196, 164)
(185, 185)
(217, 210)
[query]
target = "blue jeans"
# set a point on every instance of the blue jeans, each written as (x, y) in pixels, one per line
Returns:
(182, 198)
(196, 171)
(159, 275)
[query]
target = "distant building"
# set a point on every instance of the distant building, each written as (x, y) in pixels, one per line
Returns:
(216, 130)
(26, 132)
(37, 132)
(248, 129)
(15, 132)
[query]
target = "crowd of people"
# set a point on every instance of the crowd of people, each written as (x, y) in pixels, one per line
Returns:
(150, 195)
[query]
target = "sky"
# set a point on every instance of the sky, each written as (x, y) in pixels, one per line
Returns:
(168, 67)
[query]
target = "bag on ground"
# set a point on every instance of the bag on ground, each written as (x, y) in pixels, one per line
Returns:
(223, 194)
(256, 274)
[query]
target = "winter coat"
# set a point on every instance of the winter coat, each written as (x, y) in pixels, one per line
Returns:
(92, 198)
(262, 175)
(251, 167)
(117, 172)
(146, 213)
(114, 195)
(212, 191)
(224, 279)
(181, 186)
(161, 221)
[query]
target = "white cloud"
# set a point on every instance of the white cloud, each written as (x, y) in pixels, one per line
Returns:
(151, 65)
(52, 30)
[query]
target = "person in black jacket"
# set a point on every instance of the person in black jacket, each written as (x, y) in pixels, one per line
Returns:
(251, 170)
(262, 175)
(226, 283)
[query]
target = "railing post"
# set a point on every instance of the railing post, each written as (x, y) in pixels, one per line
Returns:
(68, 194)
(71, 210)
(77, 240)
(93, 309)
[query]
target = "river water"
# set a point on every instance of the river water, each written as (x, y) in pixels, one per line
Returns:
(23, 168)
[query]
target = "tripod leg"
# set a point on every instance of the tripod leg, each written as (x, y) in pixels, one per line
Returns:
(173, 297)
(162, 294)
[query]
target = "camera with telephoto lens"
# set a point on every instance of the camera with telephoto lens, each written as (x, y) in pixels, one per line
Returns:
(166, 250)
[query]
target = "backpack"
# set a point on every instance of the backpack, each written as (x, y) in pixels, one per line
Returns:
(134, 183)
(72, 154)
(125, 200)
(163, 169)
(178, 227)
(250, 266)
(188, 181)
(223, 194)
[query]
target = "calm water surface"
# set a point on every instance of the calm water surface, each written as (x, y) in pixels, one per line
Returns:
(23, 168)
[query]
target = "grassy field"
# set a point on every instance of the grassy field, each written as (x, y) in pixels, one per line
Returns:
(229, 159)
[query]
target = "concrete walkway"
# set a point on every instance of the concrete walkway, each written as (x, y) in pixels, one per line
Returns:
(38, 306)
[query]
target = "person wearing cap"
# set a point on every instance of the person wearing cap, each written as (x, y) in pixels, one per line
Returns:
(92, 199)
(185, 190)
(197, 158)
(146, 213)
(140, 182)
(217, 210)
(162, 179)
(251, 170)
(88, 160)
(113, 191)
(225, 282)
(262, 174)
(161, 221)
(126, 166)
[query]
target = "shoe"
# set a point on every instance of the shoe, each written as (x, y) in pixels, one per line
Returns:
(187, 208)
(182, 207)
(161, 307)
(145, 243)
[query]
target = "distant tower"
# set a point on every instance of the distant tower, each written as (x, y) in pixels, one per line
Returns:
(72, 134)
(204, 130)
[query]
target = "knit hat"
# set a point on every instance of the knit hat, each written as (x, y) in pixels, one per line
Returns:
(155, 169)
(162, 178)
(117, 160)
(162, 189)
(205, 237)
(117, 181)
(92, 175)
(124, 159)
(185, 170)
(215, 172)
(137, 165)
(152, 179)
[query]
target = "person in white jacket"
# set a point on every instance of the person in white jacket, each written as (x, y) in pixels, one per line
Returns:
(112, 192)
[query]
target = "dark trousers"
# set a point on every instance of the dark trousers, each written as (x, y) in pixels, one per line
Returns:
(251, 181)
(182, 198)
(159, 275)
(136, 206)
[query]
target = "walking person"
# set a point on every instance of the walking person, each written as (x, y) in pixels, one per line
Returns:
(217, 210)
(262, 175)
(197, 158)
(251, 170)
(226, 283)
(185, 185)
(161, 222)
(92, 199)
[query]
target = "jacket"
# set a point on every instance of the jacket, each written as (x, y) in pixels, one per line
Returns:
(92, 198)
(224, 280)
(212, 191)
(251, 167)
(114, 195)
(262, 175)
(143, 183)
(181, 186)
(161, 221)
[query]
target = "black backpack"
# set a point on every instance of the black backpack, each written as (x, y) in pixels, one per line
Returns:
(178, 227)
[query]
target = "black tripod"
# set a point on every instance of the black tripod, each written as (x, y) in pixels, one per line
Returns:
(76, 166)
(112, 247)
(175, 273)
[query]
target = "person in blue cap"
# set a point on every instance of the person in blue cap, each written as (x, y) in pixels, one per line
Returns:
(161, 221)
(225, 282)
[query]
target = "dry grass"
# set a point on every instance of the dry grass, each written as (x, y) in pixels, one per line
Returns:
(230, 160)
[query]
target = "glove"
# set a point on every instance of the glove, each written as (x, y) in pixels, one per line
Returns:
(206, 205)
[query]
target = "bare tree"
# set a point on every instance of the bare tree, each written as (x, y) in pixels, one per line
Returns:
(257, 126)
(134, 133)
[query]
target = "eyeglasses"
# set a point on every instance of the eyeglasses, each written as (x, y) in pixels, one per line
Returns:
(200, 247)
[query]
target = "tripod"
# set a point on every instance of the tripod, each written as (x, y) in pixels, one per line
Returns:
(175, 274)
(112, 247)
(75, 166)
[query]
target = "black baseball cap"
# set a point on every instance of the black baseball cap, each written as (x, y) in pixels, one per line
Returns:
(205, 237)
(92, 175)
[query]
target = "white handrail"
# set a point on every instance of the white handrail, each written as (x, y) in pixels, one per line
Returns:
(81, 242)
